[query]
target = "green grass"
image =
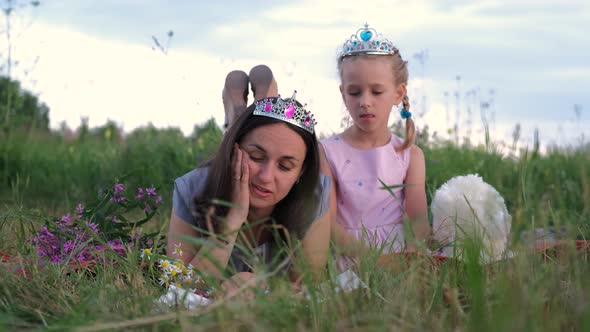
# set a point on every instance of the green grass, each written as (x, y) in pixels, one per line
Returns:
(49, 175)
(523, 293)
(56, 172)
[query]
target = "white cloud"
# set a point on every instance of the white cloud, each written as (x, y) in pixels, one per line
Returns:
(83, 76)
(581, 73)
(79, 75)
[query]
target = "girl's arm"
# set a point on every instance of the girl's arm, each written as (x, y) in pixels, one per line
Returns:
(345, 243)
(315, 245)
(210, 259)
(415, 192)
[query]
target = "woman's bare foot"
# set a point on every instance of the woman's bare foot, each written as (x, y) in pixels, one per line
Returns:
(263, 82)
(234, 95)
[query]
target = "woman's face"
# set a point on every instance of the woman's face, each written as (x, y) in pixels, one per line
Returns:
(276, 161)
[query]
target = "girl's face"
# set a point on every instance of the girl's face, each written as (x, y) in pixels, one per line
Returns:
(276, 161)
(369, 91)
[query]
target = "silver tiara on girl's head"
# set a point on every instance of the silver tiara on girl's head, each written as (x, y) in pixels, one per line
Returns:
(286, 110)
(367, 41)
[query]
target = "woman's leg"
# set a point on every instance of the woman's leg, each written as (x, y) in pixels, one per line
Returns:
(234, 95)
(263, 82)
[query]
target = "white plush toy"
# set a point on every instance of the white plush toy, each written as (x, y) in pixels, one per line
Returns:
(466, 206)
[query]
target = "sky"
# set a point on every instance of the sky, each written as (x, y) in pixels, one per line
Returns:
(528, 60)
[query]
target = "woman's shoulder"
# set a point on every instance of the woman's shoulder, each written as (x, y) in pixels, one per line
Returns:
(193, 176)
(193, 182)
(186, 187)
(325, 182)
(322, 194)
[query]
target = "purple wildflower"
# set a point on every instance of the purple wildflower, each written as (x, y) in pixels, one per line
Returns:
(80, 210)
(68, 238)
(117, 199)
(92, 226)
(47, 244)
(136, 234)
(139, 194)
(147, 208)
(66, 218)
(85, 256)
(118, 247)
(69, 246)
(158, 200)
(56, 258)
(151, 191)
(80, 235)
(118, 188)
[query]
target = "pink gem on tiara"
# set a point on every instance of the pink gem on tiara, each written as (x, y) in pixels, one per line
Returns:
(289, 111)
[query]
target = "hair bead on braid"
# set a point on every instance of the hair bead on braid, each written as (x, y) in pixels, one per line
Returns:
(410, 127)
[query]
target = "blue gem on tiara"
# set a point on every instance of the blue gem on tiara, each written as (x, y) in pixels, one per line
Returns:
(286, 110)
(366, 35)
(367, 41)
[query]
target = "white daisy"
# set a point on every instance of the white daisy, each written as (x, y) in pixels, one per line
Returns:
(177, 250)
(163, 281)
(175, 270)
(147, 252)
(165, 265)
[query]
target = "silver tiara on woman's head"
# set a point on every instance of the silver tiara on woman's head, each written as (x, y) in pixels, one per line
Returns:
(286, 110)
(367, 41)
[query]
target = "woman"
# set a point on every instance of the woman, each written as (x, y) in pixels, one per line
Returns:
(267, 168)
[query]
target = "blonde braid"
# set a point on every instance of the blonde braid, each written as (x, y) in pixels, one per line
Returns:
(410, 128)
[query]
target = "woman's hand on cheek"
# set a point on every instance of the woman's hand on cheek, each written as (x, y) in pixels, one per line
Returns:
(241, 191)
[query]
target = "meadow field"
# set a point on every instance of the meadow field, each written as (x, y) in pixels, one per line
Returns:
(46, 175)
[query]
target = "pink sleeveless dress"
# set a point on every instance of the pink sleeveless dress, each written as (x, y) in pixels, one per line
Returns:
(363, 208)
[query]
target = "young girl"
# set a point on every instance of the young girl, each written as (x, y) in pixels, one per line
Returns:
(367, 155)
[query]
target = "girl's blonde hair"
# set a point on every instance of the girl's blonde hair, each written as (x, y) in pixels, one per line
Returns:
(399, 68)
